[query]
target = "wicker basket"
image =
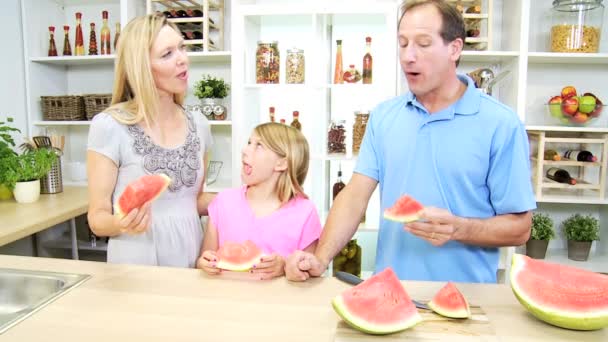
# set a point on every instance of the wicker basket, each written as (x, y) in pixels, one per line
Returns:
(96, 103)
(62, 108)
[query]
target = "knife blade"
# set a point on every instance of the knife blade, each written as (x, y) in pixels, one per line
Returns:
(354, 280)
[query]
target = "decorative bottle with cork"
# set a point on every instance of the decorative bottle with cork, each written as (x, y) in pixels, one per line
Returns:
(67, 47)
(79, 44)
(339, 185)
(52, 47)
(367, 61)
(116, 35)
(296, 122)
(271, 114)
(92, 41)
(338, 72)
(105, 35)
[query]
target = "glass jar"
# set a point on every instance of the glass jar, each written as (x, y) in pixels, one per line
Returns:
(349, 259)
(336, 136)
(294, 66)
(576, 25)
(359, 126)
(267, 61)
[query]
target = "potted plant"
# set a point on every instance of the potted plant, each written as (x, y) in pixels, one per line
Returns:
(581, 231)
(211, 90)
(542, 231)
(25, 171)
(6, 155)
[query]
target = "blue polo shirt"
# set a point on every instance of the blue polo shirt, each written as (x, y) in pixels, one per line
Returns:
(471, 158)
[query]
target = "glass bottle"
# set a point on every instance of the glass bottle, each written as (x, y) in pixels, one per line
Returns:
(581, 156)
(79, 40)
(576, 25)
(271, 114)
(296, 121)
(552, 155)
(361, 118)
(52, 47)
(294, 66)
(267, 62)
(116, 35)
(105, 35)
(560, 176)
(67, 47)
(339, 185)
(92, 41)
(367, 61)
(338, 71)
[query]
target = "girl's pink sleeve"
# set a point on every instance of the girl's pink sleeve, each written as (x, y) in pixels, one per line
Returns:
(311, 230)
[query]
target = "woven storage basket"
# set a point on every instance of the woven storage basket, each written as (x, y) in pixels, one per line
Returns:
(96, 103)
(62, 108)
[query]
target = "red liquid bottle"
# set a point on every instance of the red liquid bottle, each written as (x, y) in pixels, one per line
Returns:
(367, 62)
(52, 47)
(67, 47)
(79, 44)
(105, 35)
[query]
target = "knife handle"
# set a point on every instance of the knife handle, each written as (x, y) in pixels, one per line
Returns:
(348, 278)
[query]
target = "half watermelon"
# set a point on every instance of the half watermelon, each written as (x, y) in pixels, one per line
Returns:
(449, 302)
(380, 305)
(144, 189)
(234, 256)
(564, 296)
(406, 209)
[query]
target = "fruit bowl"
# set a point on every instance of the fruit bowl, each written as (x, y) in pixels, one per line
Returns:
(560, 112)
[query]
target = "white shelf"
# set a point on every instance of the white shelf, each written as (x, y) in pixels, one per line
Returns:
(220, 122)
(595, 263)
(210, 57)
(488, 56)
(62, 123)
(285, 86)
(568, 129)
(581, 197)
(66, 243)
(219, 185)
(75, 60)
(567, 58)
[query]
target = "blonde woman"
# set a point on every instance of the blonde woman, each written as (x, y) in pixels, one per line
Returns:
(271, 208)
(147, 131)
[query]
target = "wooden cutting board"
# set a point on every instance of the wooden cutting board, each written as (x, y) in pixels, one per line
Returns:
(432, 327)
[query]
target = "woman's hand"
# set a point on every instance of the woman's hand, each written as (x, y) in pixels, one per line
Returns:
(136, 221)
(270, 266)
(207, 262)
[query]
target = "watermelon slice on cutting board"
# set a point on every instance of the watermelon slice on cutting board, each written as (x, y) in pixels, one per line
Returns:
(406, 209)
(561, 295)
(449, 302)
(234, 256)
(144, 189)
(379, 305)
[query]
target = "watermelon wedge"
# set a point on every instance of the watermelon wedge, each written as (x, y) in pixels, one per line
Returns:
(405, 210)
(238, 257)
(380, 305)
(144, 189)
(564, 296)
(449, 302)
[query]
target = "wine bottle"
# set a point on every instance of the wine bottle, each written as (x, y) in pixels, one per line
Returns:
(339, 185)
(367, 62)
(582, 156)
(92, 41)
(552, 155)
(560, 176)
(67, 47)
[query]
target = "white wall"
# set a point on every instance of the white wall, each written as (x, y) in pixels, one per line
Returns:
(12, 84)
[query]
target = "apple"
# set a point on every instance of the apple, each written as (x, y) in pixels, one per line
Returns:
(587, 104)
(555, 106)
(568, 91)
(570, 105)
(598, 106)
(580, 117)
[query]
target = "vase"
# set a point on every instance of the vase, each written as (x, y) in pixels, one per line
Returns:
(579, 250)
(213, 108)
(536, 249)
(27, 192)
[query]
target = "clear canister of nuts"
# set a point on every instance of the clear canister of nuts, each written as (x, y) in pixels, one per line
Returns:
(576, 25)
(294, 66)
(267, 62)
(336, 136)
(359, 126)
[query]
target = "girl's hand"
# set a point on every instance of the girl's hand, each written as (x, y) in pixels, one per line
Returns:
(270, 266)
(136, 221)
(207, 262)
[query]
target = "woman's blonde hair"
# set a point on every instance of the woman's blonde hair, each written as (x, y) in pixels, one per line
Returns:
(288, 143)
(134, 96)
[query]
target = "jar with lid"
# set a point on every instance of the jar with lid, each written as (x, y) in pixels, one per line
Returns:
(294, 66)
(336, 136)
(359, 126)
(267, 62)
(576, 25)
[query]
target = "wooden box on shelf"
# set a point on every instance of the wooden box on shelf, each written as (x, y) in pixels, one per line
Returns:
(477, 16)
(193, 19)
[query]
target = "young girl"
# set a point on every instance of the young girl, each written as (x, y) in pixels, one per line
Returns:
(271, 208)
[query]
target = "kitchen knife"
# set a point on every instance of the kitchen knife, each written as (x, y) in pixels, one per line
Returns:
(354, 280)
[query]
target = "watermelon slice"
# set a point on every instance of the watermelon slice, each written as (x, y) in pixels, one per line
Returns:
(380, 305)
(449, 302)
(406, 209)
(145, 189)
(564, 296)
(238, 257)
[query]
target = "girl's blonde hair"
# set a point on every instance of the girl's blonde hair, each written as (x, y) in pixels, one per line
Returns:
(134, 96)
(288, 143)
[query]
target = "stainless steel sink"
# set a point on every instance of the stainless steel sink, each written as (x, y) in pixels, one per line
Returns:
(24, 292)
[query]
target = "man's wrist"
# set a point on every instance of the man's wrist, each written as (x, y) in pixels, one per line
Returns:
(462, 229)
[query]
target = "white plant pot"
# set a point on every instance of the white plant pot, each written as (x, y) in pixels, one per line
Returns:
(27, 192)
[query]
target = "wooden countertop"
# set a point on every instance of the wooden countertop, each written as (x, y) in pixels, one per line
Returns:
(21, 220)
(138, 303)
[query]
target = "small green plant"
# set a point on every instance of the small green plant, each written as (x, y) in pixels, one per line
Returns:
(542, 227)
(7, 154)
(582, 228)
(28, 166)
(211, 87)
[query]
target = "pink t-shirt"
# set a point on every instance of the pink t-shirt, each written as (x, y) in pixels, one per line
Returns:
(292, 227)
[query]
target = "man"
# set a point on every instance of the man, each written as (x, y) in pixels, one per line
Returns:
(458, 151)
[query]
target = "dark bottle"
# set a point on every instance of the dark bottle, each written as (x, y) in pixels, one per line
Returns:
(92, 41)
(367, 62)
(582, 156)
(191, 35)
(296, 122)
(560, 176)
(52, 46)
(167, 14)
(67, 47)
(338, 186)
(194, 13)
(181, 14)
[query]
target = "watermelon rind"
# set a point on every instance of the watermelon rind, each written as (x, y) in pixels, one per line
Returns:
(167, 179)
(371, 328)
(464, 312)
(400, 218)
(241, 267)
(587, 320)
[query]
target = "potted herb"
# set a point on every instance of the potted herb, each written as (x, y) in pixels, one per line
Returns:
(7, 154)
(25, 172)
(581, 231)
(542, 231)
(211, 90)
